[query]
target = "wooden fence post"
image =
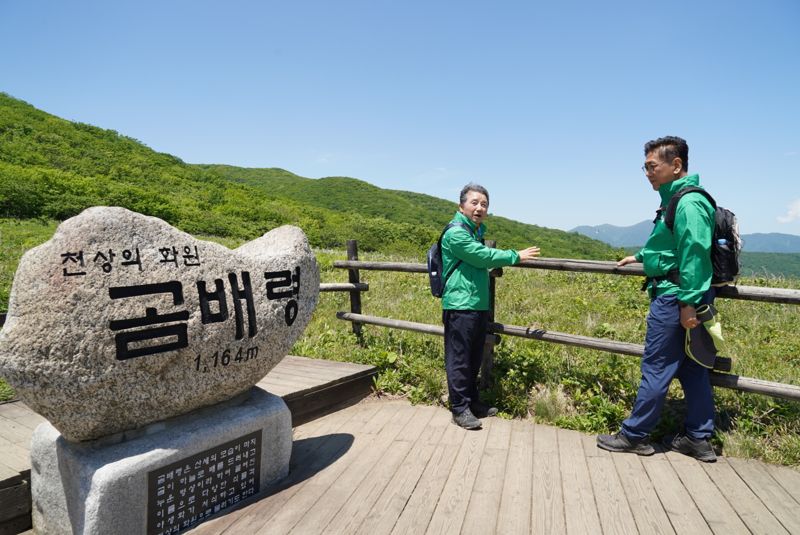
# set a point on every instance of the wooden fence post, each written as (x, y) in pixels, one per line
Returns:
(355, 295)
(487, 363)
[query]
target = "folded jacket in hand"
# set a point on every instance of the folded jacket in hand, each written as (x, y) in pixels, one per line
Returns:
(700, 346)
(709, 317)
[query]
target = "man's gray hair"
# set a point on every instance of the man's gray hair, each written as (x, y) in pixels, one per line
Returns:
(472, 186)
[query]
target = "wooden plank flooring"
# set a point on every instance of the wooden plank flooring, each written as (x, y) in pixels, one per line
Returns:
(17, 423)
(387, 467)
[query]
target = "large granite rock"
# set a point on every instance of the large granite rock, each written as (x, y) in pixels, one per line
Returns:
(121, 320)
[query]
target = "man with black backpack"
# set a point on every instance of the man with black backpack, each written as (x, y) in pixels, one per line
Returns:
(677, 262)
(465, 301)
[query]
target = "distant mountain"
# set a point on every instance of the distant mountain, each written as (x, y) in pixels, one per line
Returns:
(636, 235)
(773, 242)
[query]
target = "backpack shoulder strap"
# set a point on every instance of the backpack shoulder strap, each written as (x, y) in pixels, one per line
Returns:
(669, 212)
(446, 228)
(451, 225)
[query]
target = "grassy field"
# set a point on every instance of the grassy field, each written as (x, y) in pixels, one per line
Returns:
(571, 387)
(16, 237)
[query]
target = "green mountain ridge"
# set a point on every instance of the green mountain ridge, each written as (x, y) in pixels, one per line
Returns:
(771, 264)
(51, 168)
(353, 196)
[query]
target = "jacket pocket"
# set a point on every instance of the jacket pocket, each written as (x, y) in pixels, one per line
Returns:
(658, 263)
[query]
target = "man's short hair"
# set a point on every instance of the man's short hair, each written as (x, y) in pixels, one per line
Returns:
(669, 148)
(472, 186)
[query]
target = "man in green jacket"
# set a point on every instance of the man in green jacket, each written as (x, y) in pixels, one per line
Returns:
(678, 266)
(465, 302)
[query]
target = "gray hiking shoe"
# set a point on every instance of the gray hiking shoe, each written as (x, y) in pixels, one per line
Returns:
(699, 448)
(621, 443)
(482, 410)
(466, 420)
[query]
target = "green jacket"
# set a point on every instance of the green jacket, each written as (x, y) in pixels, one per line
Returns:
(687, 248)
(468, 285)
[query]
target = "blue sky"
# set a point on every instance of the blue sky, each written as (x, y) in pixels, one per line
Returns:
(546, 104)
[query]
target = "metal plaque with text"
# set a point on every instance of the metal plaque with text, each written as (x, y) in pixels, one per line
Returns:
(186, 492)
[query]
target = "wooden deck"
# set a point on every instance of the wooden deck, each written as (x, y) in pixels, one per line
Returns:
(385, 466)
(389, 467)
(310, 388)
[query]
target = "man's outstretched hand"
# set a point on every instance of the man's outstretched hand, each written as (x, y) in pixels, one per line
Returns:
(528, 254)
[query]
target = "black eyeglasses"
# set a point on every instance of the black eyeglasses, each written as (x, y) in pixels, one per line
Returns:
(650, 167)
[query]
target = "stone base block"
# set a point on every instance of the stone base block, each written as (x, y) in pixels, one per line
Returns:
(162, 478)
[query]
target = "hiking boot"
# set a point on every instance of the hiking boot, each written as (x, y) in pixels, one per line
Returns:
(482, 410)
(466, 420)
(621, 443)
(699, 448)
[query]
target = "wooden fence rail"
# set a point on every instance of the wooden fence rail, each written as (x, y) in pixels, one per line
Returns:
(343, 287)
(747, 293)
(726, 380)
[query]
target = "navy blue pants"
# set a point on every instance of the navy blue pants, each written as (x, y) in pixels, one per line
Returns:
(464, 338)
(665, 358)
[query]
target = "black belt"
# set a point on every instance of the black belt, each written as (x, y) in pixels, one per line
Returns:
(673, 275)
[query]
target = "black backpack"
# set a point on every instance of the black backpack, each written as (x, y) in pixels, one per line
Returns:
(725, 242)
(435, 264)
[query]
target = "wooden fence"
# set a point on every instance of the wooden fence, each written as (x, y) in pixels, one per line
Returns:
(726, 380)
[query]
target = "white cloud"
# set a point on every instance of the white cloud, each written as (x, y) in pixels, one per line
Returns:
(792, 214)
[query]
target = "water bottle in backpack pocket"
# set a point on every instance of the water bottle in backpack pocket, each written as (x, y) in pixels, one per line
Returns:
(726, 245)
